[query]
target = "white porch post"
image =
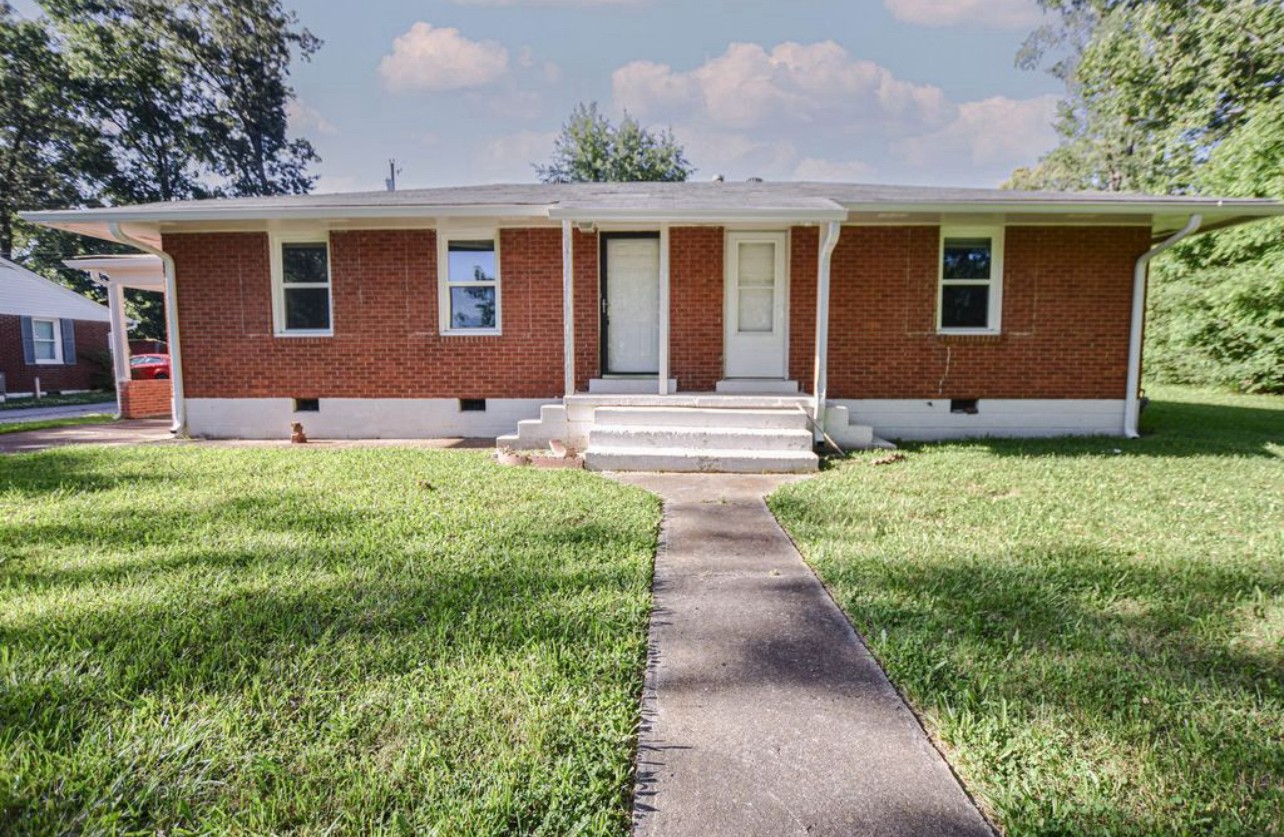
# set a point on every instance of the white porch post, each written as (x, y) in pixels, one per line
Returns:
(119, 336)
(820, 383)
(568, 308)
(664, 310)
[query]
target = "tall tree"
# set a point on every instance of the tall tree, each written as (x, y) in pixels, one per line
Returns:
(590, 149)
(128, 101)
(1152, 87)
(192, 94)
(49, 155)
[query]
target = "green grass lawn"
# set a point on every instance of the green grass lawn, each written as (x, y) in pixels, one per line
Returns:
(48, 424)
(1093, 628)
(198, 640)
(71, 398)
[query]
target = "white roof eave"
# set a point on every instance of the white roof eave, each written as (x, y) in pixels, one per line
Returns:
(700, 216)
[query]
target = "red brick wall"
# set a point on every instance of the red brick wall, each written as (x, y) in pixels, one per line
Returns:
(804, 250)
(1066, 300)
(588, 290)
(91, 337)
(696, 298)
(1067, 293)
(146, 399)
(386, 342)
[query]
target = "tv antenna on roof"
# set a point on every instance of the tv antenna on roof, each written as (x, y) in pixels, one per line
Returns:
(393, 171)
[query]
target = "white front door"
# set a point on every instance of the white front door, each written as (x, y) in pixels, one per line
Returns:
(631, 313)
(756, 324)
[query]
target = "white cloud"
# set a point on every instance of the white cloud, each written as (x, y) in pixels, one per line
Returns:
(996, 14)
(748, 87)
(813, 168)
(997, 134)
(436, 58)
(303, 118)
(510, 157)
(735, 155)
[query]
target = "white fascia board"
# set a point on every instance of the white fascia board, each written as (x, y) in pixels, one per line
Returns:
(701, 216)
(1249, 207)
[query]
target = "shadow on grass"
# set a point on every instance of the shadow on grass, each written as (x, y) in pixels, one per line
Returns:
(1039, 661)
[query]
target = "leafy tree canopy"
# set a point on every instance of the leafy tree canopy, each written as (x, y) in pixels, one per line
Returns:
(590, 149)
(108, 102)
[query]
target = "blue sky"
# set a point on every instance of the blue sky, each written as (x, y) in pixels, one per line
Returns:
(467, 91)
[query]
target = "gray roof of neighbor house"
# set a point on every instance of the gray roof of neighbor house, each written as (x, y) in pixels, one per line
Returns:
(699, 202)
(27, 294)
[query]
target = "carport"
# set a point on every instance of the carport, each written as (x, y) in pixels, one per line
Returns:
(134, 399)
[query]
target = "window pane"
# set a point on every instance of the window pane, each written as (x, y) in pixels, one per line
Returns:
(45, 350)
(472, 307)
(472, 261)
(758, 264)
(42, 329)
(965, 306)
(304, 263)
(756, 312)
(307, 308)
(967, 258)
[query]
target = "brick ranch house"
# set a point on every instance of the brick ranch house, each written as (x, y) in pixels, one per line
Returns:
(48, 334)
(660, 325)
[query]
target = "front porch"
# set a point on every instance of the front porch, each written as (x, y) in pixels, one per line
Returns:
(693, 431)
(745, 411)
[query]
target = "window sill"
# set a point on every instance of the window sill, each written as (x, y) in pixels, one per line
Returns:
(298, 334)
(969, 336)
(472, 332)
(55, 362)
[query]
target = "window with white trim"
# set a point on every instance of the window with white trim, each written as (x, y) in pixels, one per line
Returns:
(301, 285)
(46, 339)
(970, 295)
(469, 284)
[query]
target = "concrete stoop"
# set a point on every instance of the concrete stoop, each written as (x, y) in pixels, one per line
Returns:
(742, 441)
(764, 433)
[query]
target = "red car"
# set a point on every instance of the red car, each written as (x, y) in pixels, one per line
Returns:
(149, 367)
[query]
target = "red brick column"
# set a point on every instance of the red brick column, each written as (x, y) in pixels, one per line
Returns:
(145, 399)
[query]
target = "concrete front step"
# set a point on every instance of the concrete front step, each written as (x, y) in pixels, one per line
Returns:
(756, 386)
(765, 419)
(701, 438)
(642, 385)
(733, 461)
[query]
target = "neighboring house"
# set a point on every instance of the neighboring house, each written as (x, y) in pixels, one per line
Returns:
(667, 325)
(48, 332)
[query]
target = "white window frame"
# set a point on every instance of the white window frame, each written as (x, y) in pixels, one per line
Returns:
(444, 284)
(278, 240)
(994, 315)
(56, 360)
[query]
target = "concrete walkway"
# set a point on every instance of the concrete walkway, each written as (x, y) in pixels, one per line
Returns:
(65, 411)
(131, 432)
(763, 713)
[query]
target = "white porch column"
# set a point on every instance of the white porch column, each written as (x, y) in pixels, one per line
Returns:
(119, 335)
(568, 308)
(664, 310)
(820, 382)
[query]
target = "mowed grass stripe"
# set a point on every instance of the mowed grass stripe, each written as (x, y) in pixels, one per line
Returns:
(1093, 628)
(317, 641)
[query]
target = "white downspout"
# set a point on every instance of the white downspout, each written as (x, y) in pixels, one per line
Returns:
(820, 383)
(1132, 404)
(179, 404)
